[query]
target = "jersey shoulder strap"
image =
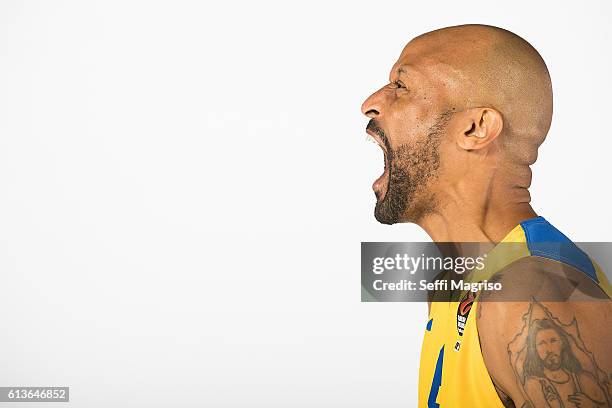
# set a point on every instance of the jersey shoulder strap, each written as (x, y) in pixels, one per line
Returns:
(546, 241)
(537, 237)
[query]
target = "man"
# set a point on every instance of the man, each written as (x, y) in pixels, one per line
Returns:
(460, 122)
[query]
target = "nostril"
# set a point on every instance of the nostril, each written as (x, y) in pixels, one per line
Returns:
(372, 113)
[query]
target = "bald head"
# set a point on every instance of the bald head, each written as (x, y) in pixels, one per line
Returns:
(485, 66)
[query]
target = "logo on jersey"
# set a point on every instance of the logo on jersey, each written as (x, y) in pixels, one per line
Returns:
(463, 311)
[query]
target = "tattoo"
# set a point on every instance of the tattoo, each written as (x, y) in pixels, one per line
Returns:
(552, 365)
(549, 391)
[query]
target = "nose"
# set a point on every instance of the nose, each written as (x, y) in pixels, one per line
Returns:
(372, 107)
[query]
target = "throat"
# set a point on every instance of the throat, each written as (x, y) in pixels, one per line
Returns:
(557, 376)
(460, 224)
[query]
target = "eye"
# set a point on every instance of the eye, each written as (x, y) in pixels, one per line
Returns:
(398, 84)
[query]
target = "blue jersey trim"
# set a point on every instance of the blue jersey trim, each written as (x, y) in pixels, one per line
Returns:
(436, 382)
(548, 242)
(428, 327)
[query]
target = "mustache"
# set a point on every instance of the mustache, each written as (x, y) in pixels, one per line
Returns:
(551, 355)
(374, 127)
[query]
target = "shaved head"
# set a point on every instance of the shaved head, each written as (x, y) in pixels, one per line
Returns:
(486, 66)
(464, 113)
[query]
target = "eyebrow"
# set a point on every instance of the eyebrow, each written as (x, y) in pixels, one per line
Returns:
(405, 69)
(408, 69)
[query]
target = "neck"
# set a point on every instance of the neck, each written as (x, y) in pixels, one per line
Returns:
(559, 375)
(468, 215)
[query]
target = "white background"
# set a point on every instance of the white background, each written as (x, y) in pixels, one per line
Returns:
(184, 187)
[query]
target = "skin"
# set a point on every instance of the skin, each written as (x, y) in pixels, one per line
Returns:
(498, 122)
(460, 121)
(500, 320)
(548, 346)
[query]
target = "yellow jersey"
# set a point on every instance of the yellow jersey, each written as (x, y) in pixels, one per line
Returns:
(452, 371)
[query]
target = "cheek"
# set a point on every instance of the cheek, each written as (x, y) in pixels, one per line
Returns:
(543, 350)
(407, 121)
(452, 169)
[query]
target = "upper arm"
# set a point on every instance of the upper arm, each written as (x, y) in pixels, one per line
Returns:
(539, 326)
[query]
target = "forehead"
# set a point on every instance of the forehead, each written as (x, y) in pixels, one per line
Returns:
(418, 59)
(547, 333)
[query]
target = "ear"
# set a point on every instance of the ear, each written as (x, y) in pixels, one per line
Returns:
(479, 127)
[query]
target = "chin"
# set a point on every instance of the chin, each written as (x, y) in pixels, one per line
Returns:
(413, 213)
(383, 220)
(385, 214)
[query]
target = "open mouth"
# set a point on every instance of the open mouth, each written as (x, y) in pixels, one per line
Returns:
(381, 184)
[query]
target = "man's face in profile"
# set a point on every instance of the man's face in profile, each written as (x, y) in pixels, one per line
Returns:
(408, 122)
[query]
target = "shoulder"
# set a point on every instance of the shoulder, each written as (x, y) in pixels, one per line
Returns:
(553, 286)
(544, 278)
(550, 284)
(539, 294)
